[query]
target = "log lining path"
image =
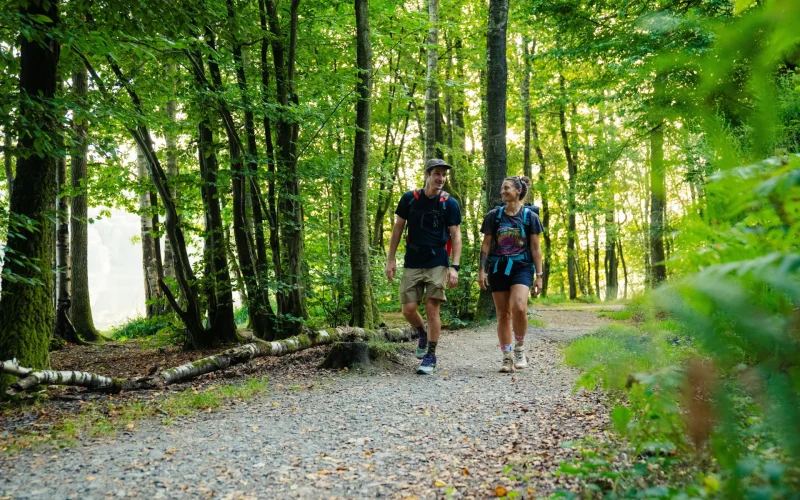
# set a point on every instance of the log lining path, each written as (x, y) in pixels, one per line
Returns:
(465, 432)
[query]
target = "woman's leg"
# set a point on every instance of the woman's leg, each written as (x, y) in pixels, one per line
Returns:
(502, 304)
(519, 317)
(518, 303)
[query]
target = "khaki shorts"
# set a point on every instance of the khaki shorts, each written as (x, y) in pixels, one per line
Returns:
(415, 281)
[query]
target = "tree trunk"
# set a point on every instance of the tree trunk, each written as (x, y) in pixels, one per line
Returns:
(495, 137)
(289, 204)
(172, 171)
(572, 264)
(431, 90)
(595, 231)
(657, 206)
(364, 308)
(188, 371)
(261, 313)
(149, 265)
(624, 268)
(80, 309)
(8, 159)
(611, 263)
(63, 326)
(221, 314)
(526, 106)
(271, 210)
(26, 310)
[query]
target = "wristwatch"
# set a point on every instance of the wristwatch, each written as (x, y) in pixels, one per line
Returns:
(455, 266)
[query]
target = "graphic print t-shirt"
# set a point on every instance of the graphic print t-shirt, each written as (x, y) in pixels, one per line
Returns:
(509, 240)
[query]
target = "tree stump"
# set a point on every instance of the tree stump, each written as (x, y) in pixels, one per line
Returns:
(346, 354)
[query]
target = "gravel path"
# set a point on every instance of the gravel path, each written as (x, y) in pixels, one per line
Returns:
(389, 433)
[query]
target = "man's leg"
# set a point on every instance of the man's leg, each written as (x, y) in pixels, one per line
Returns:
(432, 307)
(411, 313)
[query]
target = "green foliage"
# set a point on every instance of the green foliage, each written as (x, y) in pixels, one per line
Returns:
(140, 328)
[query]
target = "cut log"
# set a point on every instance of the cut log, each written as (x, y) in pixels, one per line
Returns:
(345, 355)
(194, 369)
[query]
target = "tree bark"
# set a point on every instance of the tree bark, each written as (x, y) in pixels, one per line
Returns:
(624, 268)
(495, 138)
(262, 312)
(431, 90)
(595, 231)
(526, 106)
(149, 265)
(8, 159)
(572, 168)
(364, 309)
(172, 171)
(271, 210)
(657, 206)
(80, 309)
(289, 204)
(63, 328)
(26, 308)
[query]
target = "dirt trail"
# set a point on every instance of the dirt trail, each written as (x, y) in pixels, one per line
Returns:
(390, 433)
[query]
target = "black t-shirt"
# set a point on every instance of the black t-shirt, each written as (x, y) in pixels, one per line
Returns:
(428, 227)
(508, 236)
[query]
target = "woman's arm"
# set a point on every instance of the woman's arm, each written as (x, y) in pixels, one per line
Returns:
(485, 248)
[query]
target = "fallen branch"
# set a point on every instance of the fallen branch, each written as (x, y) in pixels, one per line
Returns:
(233, 356)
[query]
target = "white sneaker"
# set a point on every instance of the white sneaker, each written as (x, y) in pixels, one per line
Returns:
(520, 360)
(508, 363)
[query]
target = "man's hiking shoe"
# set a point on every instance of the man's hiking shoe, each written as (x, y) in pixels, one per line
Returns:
(428, 365)
(508, 363)
(520, 360)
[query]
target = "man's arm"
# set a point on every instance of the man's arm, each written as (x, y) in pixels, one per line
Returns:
(455, 236)
(397, 233)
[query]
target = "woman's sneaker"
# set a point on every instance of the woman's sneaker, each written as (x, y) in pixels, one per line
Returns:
(428, 365)
(520, 360)
(508, 363)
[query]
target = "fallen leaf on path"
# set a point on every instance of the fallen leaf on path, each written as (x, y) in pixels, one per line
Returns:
(439, 483)
(500, 491)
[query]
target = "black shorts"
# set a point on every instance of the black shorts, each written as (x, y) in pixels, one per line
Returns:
(521, 274)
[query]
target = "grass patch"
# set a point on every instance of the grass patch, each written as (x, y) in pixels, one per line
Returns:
(537, 322)
(616, 351)
(139, 328)
(552, 299)
(108, 418)
(623, 315)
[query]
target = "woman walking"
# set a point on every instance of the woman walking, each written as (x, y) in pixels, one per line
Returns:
(510, 256)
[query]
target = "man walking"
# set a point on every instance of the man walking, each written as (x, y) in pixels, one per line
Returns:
(434, 220)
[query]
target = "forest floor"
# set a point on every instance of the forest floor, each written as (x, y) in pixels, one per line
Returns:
(381, 431)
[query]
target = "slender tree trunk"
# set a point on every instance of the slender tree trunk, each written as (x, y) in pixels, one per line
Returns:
(263, 313)
(81, 309)
(526, 106)
(572, 256)
(495, 143)
(151, 287)
(431, 89)
(172, 172)
(595, 231)
(8, 158)
(289, 203)
(364, 307)
(26, 310)
(271, 211)
(63, 326)
(657, 206)
(611, 263)
(624, 268)
(221, 314)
